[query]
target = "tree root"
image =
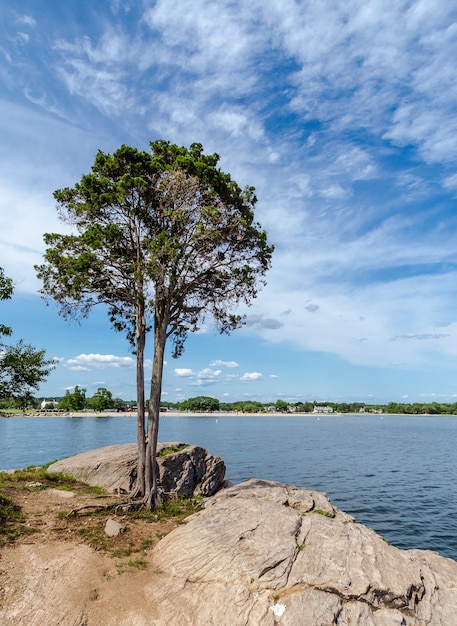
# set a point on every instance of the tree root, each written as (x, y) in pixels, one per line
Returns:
(118, 507)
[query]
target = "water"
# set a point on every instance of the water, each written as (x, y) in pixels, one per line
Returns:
(395, 474)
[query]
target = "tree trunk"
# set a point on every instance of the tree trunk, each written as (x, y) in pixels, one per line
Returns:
(152, 497)
(139, 488)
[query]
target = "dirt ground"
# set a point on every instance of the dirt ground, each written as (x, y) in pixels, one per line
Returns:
(67, 571)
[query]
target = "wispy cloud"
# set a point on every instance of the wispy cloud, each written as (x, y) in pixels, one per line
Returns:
(219, 363)
(250, 376)
(99, 361)
(341, 114)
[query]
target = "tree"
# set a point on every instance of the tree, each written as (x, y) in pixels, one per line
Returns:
(101, 400)
(22, 367)
(281, 406)
(6, 291)
(164, 239)
(200, 403)
(74, 401)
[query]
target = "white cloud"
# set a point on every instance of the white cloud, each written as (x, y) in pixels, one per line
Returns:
(206, 377)
(183, 372)
(26, 19)
(101, 361)
(218, 362)
(251, 376)
(310, 102)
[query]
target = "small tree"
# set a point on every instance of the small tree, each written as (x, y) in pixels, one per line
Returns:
(164, 239)
(281, 405)
(101, 400)
(73, 401)
(200, 403)
(22, 367)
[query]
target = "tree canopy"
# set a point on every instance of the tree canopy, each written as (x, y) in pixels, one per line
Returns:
(200, 403)
(164, 239)
(73, 400)
(22, 367)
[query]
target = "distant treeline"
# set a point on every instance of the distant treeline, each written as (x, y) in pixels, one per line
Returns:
(103, 400)
(205, 403)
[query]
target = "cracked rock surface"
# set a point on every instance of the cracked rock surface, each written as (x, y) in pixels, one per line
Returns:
(189, 470)
(259, 553)
(266, 553)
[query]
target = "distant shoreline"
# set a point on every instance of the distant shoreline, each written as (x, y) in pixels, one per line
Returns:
(215, 414)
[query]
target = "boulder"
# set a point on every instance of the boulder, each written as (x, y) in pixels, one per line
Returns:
(266, 553)
(185, 471)
(113, 528)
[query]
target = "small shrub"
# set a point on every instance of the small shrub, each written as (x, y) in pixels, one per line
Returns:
(172, 449)
(329, 514)
(10, 520)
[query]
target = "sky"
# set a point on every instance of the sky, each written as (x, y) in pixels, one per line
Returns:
(343, 117)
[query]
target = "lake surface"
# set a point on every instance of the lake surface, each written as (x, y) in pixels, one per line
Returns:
(396, 474)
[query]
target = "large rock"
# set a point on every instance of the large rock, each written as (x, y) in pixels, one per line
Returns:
(187, 471)
(259, 554)
(265, 553)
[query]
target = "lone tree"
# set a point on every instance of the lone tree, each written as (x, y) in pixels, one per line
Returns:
(22, 367)
(164, 239)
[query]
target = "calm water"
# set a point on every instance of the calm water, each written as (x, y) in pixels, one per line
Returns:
(395, 474)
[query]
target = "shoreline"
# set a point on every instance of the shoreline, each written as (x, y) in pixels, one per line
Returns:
(215, 414)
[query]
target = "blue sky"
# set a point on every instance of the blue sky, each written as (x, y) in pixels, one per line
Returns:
(341, 114)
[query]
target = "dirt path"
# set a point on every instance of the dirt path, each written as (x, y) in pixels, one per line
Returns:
(68, 572)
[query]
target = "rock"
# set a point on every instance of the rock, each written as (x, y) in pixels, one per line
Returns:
(113, 528)
(273, 554)
(113, 468)
(60, 493)
(259, 554)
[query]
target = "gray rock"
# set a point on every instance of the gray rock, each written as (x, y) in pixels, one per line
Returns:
(273, 554)
(113, 468)
(113, 528)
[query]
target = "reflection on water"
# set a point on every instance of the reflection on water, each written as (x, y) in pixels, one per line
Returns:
(395, 474)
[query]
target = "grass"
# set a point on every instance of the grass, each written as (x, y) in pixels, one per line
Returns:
(143, 527)
(37, 478)
(172, 449)
(329, 514)
(11, 519)
(138, 563)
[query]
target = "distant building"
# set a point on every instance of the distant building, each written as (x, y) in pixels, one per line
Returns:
(323, 409)
(48, 404)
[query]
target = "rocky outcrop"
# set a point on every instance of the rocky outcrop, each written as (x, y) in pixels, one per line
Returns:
(187, 470)
(259, 554)
(265, 553)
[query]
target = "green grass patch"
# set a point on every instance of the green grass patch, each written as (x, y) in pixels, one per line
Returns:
(11, 519)
(138, 563)
(329, 514)
(172, 449)
(37, 478)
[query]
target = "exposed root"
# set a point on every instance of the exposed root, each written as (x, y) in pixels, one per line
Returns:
(118, 507)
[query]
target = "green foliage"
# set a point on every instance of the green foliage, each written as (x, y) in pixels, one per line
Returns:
(22, 479)
(281, 405)
(329, 514)
(10, 519)
(101, 400)
(74, 401)
(171, 450)
(22, 367)
(164, 239)
(6, 291)
(200, 404)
